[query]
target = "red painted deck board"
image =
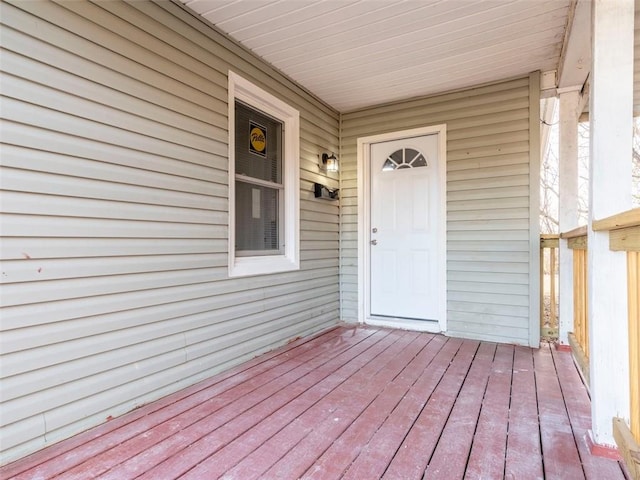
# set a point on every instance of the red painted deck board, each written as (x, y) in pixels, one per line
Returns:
(450, 457)
(374, 459)
(358, 436)
(559, 451)
(353, 403)
(416, 450)
(321, 378)
(332, 409)
(490, 440)
(524, 453)
(215, 413)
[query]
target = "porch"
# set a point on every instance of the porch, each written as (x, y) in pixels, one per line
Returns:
(353, 402)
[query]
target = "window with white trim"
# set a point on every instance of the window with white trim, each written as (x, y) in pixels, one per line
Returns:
(263, 181)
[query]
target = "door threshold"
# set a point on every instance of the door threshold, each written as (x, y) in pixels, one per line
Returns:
(431, 326)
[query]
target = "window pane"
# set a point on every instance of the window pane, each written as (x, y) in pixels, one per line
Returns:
(404, 158)
(258, 144)
(256, 217)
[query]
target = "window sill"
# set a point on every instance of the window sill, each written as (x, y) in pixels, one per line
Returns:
(261, 265)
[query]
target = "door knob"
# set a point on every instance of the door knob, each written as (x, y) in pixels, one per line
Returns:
(374, 242)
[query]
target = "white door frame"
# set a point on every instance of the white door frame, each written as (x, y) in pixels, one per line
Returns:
(364, 227)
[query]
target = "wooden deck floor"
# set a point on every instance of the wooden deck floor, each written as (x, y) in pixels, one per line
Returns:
(353, 403)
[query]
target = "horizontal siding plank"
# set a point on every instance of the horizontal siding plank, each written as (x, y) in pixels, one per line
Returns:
(100, 353)
(478, 245)
(488, 214)
(454, 145)
(178, 377)
(488, 172)
(66, 186)
(488, 256)
(497, 224)
(459, 130)
(45, 226)
(474, 320)
(41, 270)
(468, 99)
(24, 436)
(148, 48)
(47, 119)
(488, 183)
(491, 235)
(93, 31)
(500, 334)
(63, 103)
(497, 109)
(68, 86)
(487, 266)
(26, 329)
(55, 205)
(480, 193)
(455, 166)
(482, 277)
(446, 97)
(487, 204)
(472, 285)
(508, 299)
(190, 179)
(34, 49)
(250, 343)
(486, 114)
(20, 19)
(43, 142)
(78, 288)
(20, 248)
(486, 308)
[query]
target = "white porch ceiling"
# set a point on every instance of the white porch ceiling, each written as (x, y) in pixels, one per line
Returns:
(357, 53)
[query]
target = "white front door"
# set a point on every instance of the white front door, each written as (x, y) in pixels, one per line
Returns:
(405, 200)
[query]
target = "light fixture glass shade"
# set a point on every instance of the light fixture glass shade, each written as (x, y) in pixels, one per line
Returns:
(329, 162)
(332, 164)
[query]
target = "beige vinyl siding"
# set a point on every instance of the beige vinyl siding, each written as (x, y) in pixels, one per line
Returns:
(115, 288)
(489, 215)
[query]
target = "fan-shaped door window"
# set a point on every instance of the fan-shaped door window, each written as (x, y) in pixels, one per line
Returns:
(404, 158)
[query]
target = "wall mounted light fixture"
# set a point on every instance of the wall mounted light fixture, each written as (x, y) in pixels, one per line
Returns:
(328, 163)
(325, 193)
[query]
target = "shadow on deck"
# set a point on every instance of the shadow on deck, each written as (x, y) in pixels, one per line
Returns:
(353, 403)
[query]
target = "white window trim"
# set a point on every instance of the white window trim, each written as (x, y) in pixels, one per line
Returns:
(239, 266)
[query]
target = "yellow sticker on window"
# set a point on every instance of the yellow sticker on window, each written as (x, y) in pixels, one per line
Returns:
(257, 139)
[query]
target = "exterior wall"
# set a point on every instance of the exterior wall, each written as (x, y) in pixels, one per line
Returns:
(115, 213)
(490, 218)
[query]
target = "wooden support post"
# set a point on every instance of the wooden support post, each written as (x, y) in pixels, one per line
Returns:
(570, 102)
(611, 116)
(553, 313)
(633, 290)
